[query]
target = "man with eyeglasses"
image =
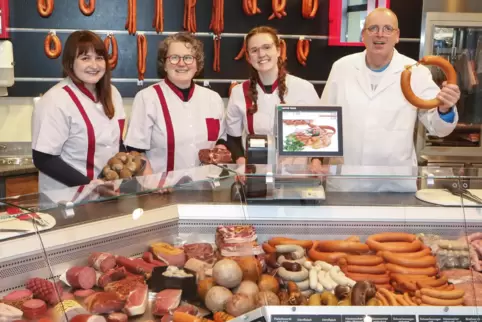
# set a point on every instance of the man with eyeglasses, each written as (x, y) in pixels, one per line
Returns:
(378, 122)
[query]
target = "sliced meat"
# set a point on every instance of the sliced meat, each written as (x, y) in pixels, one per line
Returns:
(202, 251)
(112, 275)
(117, 317)
(123, 287)
(17, 298)
(34, 308)
(81, 277)
(104, 302)
(187, 308)
(102, 261)
(82, 294)
(136, 303)
(167, 301)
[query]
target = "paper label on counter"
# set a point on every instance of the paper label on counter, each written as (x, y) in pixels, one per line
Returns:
(404, 318)
(365, 318)
(449, 318)
(306, 318)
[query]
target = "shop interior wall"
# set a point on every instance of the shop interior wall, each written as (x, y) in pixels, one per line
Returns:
(32, 67)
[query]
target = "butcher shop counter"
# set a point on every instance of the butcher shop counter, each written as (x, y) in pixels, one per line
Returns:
(196, 205)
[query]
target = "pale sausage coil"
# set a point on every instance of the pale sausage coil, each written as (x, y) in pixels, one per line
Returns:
(45, 7)
(407, 91)
(52, 46)
(87, 10)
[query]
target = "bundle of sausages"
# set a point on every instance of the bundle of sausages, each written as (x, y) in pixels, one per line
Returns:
(52, 46)
(302, 51)
(158, 21)
(250, 7)
(309, 8)
(278, 7)
(190, 15)
(131, 21)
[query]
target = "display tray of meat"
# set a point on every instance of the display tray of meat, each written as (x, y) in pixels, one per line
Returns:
(200, 282)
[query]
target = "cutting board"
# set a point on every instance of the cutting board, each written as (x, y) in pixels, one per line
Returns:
(444, 198)
(13, 223)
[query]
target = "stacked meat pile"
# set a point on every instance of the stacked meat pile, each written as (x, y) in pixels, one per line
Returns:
(237, 241)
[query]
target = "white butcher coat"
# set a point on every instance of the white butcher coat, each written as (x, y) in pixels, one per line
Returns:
(378, 125)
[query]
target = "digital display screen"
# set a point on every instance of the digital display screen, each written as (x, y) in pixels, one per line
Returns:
(312, 131)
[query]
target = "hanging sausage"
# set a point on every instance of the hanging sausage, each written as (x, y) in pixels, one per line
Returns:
(190, 15)
(278, 7)
(108, 42)
(158, 21)
(250, 7)
(141, 55)
(131, 22)
(282, 44)
(302, 50)
(45, 7)
(309, 8)
(242, 52)
(52, 45)
(89, 9)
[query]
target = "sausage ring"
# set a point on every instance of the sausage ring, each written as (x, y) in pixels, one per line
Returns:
(407, 91)
(87, 10)
(52, 46)
(109, 41)
(45, 7)
(394, 242)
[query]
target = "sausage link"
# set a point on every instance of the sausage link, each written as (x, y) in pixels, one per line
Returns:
(378, 269)
(441, 302)
(365, 260)
(341, 245)
(242, 52)
(89, 9)
(421, 262)
(405, 81)
(375, 278)
(393, 268)
(108, 42)
(52, 46)
(45, 7)
(141, 56)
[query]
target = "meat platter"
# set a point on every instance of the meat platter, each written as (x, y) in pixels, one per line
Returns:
(237, 274)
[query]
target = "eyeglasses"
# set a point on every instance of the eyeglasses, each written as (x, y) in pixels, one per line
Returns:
(386, 30)
(175, 59)
(265, 47)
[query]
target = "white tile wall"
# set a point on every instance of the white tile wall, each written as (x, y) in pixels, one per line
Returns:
(16, 113)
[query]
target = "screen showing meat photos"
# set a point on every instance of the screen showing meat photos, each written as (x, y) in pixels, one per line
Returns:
(310, 131)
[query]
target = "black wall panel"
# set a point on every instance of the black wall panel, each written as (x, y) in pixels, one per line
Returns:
(30, 61)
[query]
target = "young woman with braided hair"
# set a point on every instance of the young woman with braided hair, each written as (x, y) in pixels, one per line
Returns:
(252, 104)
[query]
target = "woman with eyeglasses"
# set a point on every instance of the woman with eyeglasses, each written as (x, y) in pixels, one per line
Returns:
(173, 119)
(252, 104)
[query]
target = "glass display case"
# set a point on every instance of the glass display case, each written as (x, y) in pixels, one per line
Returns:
(220, 238)
(458, 38)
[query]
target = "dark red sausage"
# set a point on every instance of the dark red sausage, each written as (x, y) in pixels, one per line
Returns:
(81, 277)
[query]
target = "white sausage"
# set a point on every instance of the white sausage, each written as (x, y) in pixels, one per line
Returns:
(339, 278)
(323, 265)
(325, 280)
(308, 264)
(296, 251)
(303, 285)
(313, 278)
(319, 288)
(293, 276)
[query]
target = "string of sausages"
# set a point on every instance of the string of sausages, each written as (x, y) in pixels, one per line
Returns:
(45, 7)
(141, 55)
(110, 41)
(282, 45)
(250, 7)
(131, 22)
(89, 9)
(52, 46)
(302, 51)
(309, 8)
(278, 7)
(217, 26)
(158, 21)
(190, 15)
(242, 53)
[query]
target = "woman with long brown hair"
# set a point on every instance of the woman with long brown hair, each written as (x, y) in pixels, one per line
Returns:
(77, 124)
(252, 104)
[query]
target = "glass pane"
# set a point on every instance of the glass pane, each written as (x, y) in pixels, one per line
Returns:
(462, 46)
(356, 20)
